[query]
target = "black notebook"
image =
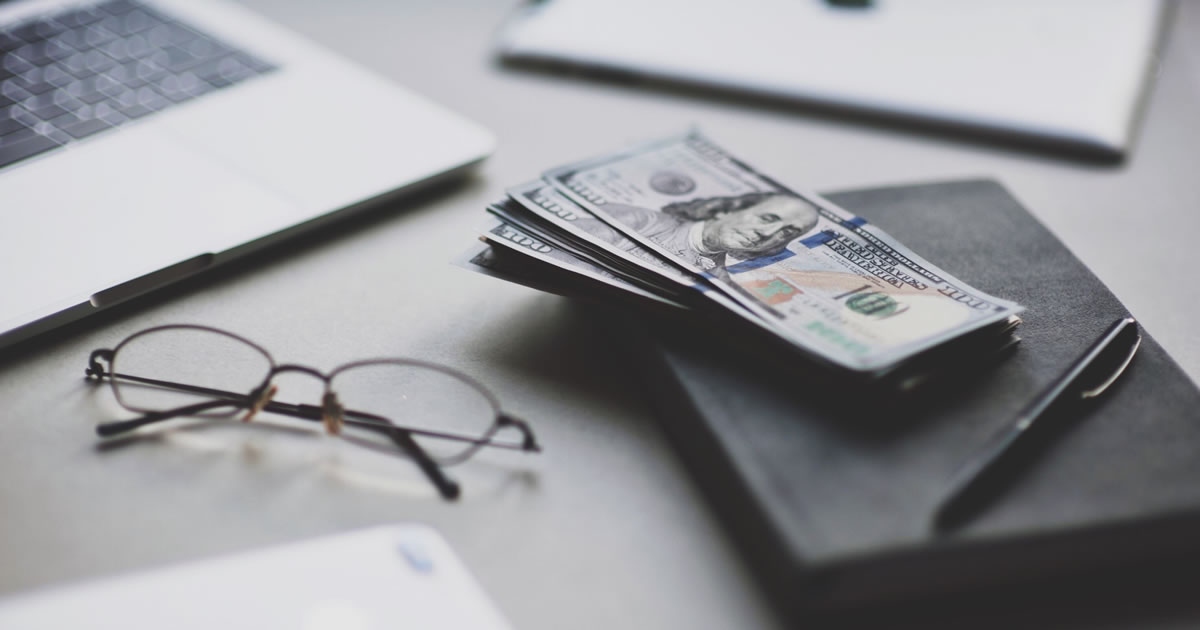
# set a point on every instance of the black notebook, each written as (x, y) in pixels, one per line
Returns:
(832, 500)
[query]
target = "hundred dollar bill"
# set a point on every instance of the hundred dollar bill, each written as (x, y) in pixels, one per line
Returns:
(548, 204)
(513, 214)
(512, 237)
(481, 257)
(836, 286)
(567, 217)
(510, 265)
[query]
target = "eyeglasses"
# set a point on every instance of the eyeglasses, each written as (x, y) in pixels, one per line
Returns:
(436, 415)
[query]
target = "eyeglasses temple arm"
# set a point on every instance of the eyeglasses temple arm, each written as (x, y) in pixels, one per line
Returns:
(528, 440)
(99, 372)
(121, 426)
(448, 488)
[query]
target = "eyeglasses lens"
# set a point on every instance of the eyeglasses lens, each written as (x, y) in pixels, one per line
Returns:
(418, 397)
(172, 367)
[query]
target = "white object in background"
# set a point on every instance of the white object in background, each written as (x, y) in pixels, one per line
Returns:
(403, 576)
(1069, 72)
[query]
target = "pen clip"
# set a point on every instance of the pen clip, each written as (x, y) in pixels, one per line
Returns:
(1120, 368)
(988, 472)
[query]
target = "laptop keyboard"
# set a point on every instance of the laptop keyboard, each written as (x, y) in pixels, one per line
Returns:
(68, 75)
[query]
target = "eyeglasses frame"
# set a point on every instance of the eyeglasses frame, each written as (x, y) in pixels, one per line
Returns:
(330, 412)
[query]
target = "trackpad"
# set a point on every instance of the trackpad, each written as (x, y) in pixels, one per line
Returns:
(87, 217)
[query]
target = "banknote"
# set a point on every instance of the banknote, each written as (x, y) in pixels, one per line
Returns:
(513, 214)
(503, 234)
(512, 265)
(567, 218)
(969, 354)
(557, 210)
(829, 281)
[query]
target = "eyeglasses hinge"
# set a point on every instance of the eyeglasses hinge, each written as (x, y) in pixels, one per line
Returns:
(94, 369)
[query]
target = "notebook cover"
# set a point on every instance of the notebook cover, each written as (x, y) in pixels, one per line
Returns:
(832, 503)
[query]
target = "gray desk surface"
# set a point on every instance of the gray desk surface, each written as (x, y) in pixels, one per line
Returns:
(605, 529)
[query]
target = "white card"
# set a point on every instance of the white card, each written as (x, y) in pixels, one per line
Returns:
(403, 576)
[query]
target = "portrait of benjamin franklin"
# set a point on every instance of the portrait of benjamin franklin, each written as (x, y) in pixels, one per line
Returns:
(703, 231)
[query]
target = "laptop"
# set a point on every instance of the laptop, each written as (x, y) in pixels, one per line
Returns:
(144, 141)
(1067, 75)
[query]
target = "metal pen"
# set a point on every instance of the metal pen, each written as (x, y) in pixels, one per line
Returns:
(984, 475)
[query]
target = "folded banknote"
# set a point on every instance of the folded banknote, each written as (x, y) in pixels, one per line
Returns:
(681, 223)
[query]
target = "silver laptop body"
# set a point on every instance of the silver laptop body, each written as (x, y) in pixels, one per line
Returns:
(273, 144)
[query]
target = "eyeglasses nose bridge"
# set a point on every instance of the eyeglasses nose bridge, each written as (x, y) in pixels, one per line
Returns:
(332, 413)
(261, 398)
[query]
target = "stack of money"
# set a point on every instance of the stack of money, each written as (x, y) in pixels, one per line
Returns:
(682, 226)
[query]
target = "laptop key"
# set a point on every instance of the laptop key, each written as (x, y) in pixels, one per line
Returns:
(90, 96)
(15, 64)
(85, 128)
(176, 59)
(108, 85)
(9, 125)
(57, 76)
(19, 135)
(149, 97)
(34, 54)
(129, 23)
(68, 118)
(170, 88)
(164, 34)
(27, 148)
(63, 99)
(76, 65)
(98, 62)
(21, 114)
(96, 35)
(73, 38)
(80, 17)
(105, 112)
(117, 7)
(145, 70)
(33, 82)
(44, 52)
(129, 105)
(48, 111)
(36, 30)
(222, 72)
(8, 41)
(137, 110)
(23, 32)
(138, 20)
(118, 49)
(138, 46)
(14, 92)
(45, 106)
(205, 48)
